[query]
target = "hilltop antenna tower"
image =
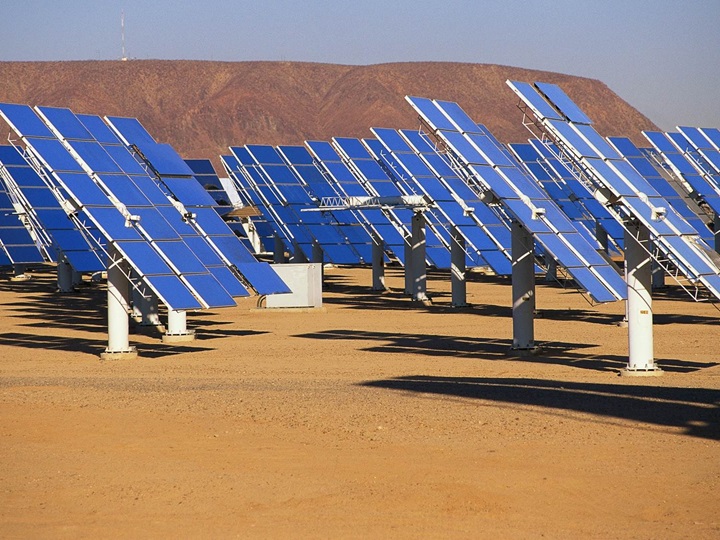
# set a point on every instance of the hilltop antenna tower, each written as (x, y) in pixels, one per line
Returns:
(122, 35)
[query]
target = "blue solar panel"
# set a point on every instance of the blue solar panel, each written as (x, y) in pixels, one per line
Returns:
(560, 99)
(637, 197)
(65, 122)
(24, 120)
(54, 155)
(172, 291)
(530, 206)
(541, 107)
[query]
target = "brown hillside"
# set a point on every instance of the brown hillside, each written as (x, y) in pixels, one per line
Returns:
(203, 107)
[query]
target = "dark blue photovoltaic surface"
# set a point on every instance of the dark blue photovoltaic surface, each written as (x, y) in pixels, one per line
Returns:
(530, 206)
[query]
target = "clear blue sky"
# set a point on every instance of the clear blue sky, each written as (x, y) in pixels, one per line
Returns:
(662, 56)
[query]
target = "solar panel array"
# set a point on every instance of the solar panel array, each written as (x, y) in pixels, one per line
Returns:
(499, 176)
(629, 192)
(93, 177)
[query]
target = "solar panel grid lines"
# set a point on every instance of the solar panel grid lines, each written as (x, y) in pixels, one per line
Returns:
(438, 239)
(196, 216)
(377, 182)
(481, 214)
(700, 185)
(354, 231)
(50, 214)
(150, 259)
(570, 204)
(321, 228)
(530, 206)
(249, 181)
(477, 241)
(673, 194)
(17, 245)
(667, 228)
(382, 224)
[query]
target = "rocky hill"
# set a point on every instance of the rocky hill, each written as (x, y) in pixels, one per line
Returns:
(203, 107)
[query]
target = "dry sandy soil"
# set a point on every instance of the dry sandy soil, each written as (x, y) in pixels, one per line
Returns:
(374, 417)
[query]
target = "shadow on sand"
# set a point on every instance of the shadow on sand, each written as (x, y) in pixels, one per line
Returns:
(695, 410)
(555, 352)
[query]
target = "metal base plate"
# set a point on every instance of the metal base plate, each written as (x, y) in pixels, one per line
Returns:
(627, 372)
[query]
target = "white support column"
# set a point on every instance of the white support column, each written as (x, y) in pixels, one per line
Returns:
(419, 270)
(457, 269)
(278, 250)
(378, 264)
(523, 291)
(64, 276)
(177, 331)
(145, 309)
(118, 307)
(639, 303)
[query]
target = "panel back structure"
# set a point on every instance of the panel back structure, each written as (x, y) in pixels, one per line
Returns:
(381, 222)
(377, 182)
(304, 166)
(678, 244)
(502, 178)
(215, 244)
(457, 204)
(293, 193)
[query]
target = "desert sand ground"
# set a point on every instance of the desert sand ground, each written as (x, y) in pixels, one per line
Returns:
(372, 418)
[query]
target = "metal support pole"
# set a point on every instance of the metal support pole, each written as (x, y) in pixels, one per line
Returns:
(378, 264)
(639, 303)
(457, 269)
(716, 230)
(408, 265)
(419, 270)
(601, 236)
(551, 272)
(298, 255)
(523, 291)
(20, 275)
(177, 328)
(76, 277)
(64, 276)
(118, 306)
(278, 250)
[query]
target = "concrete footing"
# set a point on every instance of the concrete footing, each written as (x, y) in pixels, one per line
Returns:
(129, 354)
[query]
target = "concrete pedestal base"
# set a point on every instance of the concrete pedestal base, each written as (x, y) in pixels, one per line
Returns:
(129, 354)
(655, 372)
(179, 338)
(524, 353)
